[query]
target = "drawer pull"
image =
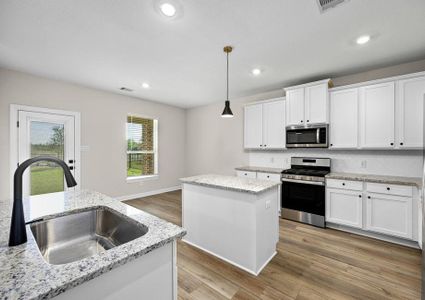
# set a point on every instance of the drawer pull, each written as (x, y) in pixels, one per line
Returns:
(246, 174)
(268, 176)
(388, 189)
(368, 197)
(360, 196)
(343, 183)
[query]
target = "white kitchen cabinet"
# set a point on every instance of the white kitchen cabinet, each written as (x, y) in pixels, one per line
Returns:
(274, 125)
(253, 126)
(389, 214)
(246, 174)
(317, 104)
(344, 119)
(344, 207)
(308, 103)
(269, 176)
(295, 107)
(377, 116)
(264, 125)
(409, 113)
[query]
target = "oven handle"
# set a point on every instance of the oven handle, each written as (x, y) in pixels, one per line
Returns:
(303, 181)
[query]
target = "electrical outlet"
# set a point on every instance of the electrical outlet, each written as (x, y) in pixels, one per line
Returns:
(271, 160)
(364, 164)
(267, 204)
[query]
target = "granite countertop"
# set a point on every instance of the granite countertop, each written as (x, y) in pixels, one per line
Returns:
(413, 181)
(260, 169)
(239, 184)
(24, 274)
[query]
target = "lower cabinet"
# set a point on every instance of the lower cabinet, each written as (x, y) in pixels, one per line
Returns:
(389, 214)
(344, 207)
(373, 207)
(246, 174)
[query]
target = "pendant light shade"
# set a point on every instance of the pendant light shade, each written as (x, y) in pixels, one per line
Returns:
(227, 112)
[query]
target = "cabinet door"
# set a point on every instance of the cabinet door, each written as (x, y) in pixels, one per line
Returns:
(377, 116)
(344, 119)
(389, 215)
(253, 126)
(274, 125)
(295, 107)
(344, 207)
(409, 117)
(317, 104)
(246, 174)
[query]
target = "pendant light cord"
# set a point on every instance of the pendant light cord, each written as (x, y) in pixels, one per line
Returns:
(227, 59)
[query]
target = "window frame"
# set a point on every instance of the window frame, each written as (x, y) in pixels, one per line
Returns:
(155, 149)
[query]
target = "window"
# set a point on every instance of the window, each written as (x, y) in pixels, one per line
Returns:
(142, 147)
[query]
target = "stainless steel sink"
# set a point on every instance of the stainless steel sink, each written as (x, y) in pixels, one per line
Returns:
(75, 236)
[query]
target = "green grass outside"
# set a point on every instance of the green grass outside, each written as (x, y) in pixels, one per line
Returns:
(46, 180)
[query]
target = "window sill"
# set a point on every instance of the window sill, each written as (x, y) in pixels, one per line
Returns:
(142, 178)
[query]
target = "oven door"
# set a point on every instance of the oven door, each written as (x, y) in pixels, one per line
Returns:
(304, 201)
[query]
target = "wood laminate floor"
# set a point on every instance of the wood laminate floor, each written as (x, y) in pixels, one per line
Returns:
(311, 263)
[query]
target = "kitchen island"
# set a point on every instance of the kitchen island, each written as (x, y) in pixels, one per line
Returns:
(233, 218)
(143, 268)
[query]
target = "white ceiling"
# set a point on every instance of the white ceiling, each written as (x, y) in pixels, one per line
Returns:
(108, 44)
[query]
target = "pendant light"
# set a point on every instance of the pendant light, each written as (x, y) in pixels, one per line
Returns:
(227, 112)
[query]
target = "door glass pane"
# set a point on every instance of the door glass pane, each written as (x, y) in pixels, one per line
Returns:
(46, 139)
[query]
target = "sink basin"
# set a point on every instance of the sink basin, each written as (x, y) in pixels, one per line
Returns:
(75, 236)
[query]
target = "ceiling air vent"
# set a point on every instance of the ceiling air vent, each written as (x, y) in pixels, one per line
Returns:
(324, 5)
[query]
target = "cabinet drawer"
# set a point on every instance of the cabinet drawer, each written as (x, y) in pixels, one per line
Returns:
(389, 189)
(268, 176)
(344, 184)
(246, 174)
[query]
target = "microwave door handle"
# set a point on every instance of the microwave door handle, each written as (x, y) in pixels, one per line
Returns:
(318, 136)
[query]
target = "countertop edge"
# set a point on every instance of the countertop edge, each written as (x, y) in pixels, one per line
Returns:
(369, 178)
(260, 169)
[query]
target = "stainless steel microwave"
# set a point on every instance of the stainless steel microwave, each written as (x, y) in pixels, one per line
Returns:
(307, 136)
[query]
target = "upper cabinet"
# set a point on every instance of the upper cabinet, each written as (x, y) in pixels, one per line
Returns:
(385, 115)
(344, 119)
(308, 103)
(409, 113)
(264, 125)
(377, 116)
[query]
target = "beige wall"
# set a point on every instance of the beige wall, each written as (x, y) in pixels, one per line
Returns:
(216, 145)
(103, 118)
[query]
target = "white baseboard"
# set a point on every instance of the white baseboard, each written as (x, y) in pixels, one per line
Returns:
(382, 237)
(253, 272)
(150, 193)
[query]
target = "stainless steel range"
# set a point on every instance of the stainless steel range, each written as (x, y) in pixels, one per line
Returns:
(303, 190)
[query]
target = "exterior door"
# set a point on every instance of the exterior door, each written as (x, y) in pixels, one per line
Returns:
(45, 134)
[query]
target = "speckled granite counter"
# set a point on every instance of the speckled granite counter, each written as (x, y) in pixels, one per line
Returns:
(247, 185)
(413, 181)
(24, 274)
(260, 169)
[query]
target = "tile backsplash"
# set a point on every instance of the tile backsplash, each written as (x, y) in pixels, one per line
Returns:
(396, 163)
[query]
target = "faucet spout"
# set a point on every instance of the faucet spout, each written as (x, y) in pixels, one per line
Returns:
(18, 233)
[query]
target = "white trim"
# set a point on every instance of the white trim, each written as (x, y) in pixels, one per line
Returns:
(13, 138)
(308, 84)
(150, 193)
(231, 262)
(382, 237)
(377, 81)
(266, 101)
(142, 178)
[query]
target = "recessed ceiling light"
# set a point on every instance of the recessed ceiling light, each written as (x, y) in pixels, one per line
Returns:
(145, 85)
(256, 72)
(168, 9)
(361, 40)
